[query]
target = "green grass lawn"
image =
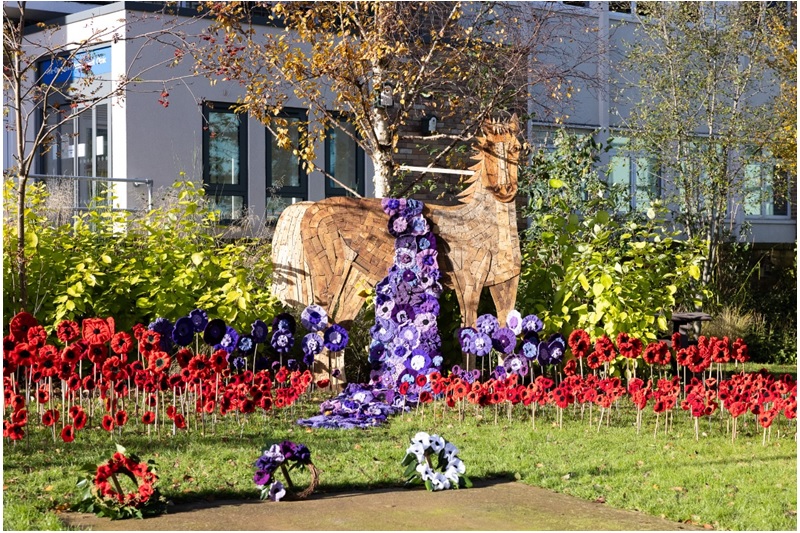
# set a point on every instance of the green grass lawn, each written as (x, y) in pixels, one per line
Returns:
(728, 485)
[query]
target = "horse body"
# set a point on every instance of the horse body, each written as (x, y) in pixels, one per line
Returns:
(344, 245)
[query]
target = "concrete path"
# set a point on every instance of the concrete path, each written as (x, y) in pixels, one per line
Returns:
(487, 507)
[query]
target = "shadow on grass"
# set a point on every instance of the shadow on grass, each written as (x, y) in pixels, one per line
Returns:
(218, 498)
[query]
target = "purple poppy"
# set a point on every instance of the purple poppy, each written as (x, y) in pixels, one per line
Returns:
(425, 321)
(229, 341)
(199, 320)
(487, 324)
(398, 225)
(392, 206)
(532, 323)
(403, 313)
(480, 344)
(262, 477)
(335, 338)
(276, 491)
(314, 318)
(282, 340)
(426, 260)
(246, 344)
(418, 225)
(406, 241)
(311, 344)
(410, 277)
(515, 364)
(163, 327)
(418, 361)
(426, 241)
(504, 340)
(412, 208)
(259, 331)
(551, 352)
(215, 330)
(383, 330)
(284, 321)
(183, 332)
(514, 322)
(377, 351)
(385, 309)
(465, 336)
(404, 258)
(409, 335)
(530, 346)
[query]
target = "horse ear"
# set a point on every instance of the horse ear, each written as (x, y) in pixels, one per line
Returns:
(514, 123)
(487, 126)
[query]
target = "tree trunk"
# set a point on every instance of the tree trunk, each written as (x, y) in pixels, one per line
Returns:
(384, 170)
(21, 259)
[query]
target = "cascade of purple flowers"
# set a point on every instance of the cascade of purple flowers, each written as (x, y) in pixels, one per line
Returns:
(405, 338)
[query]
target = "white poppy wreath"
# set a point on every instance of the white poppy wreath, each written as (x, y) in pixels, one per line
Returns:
(435, 462)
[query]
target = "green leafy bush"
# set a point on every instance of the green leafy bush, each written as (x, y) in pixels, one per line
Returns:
(136, 267)
(586, 264)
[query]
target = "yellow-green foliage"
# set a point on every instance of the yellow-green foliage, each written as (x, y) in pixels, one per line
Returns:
(136, 267)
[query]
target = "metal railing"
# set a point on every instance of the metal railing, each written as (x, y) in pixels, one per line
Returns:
(84, 189)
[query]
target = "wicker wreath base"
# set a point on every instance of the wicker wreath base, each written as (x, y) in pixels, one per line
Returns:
(305, 493)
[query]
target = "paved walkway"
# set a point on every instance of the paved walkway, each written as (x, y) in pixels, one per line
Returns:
(486, 507)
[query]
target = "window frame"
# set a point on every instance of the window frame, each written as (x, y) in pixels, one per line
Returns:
(766, 168)
(622, 150)
(225, 189)
(331, 189)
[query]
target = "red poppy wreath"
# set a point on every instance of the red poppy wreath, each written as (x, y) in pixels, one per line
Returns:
(122, 487)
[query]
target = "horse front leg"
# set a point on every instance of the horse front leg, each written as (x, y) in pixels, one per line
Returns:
(505, 297)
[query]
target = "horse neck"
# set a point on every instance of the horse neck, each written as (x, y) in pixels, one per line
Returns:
(477, 193)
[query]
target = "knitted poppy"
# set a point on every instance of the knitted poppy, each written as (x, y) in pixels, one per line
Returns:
(107, 423)
(68, 434)
(50, 417)
(37, 336)
(97, 330)
(67, 331)
(121, 343)
(120, 418)
(149, 417)
(20, 325)
(80, 419)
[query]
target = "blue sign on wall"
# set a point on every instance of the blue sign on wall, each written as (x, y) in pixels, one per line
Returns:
(90, 63)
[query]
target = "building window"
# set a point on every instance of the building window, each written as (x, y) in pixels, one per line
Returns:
(344, 160)
(635, 174)
(80, 147)
(619, 7)
(225, 160)
(764, 191)
(287, 182)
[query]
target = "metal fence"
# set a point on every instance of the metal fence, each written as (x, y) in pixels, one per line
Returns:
(72, 195)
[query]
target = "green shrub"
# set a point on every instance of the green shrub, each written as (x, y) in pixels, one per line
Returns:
(136, 267)
(588, 263)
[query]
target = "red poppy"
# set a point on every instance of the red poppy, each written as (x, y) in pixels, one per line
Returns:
(159, 362)
(42, 395)
(37, 336)
(98, 330)
(114, 369)
(403, 389)
(13, 431)
(594, 360)
(17, 402)
(209, 406)
(323, 383)
(265, 403)
(121, 343)
(219, 361)
(605, 349)
(20, 325)
(20, 417)
(67, 331)
(120, 418)
(72, 353)
(657, 353)
(180, 421)
(421, 380)
(199, 365)
(138, 331)
(282, 375)
(571, 368)
(107, 423)
(68, 434)
(171, 411)
(23, 354)
(88, 383)
(50, 417)
(425, 397)
(149, 417)
(248, 406)
(579, 343)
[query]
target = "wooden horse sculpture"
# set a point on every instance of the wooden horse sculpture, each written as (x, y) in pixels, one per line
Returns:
(326, 252)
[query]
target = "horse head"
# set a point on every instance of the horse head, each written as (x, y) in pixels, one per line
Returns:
(499, 151)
